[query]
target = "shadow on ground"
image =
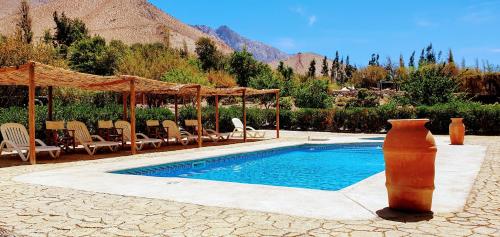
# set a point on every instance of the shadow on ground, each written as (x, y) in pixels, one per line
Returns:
(400, 216)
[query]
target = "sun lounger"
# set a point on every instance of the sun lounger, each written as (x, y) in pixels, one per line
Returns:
(174, 132)
(209, 134)
(16, 138)
(251, 132)
(83, 137)
(141, 140)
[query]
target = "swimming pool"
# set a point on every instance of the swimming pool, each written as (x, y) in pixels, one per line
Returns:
(324, 167)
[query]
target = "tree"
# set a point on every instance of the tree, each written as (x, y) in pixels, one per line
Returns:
(334, 72)
(450, 57)
(374, 60)
(369, 76)
(421, 60)
(23, 23)
(411, 64)
(243, 66)
(313, 94)
(286, 71)
(165, 33)
(312, 69)
(207, 54)
(324, 69)
(429, 86)
(430, 55)
(184, 50)
(90, 55)
(68, 31)
(267, 79)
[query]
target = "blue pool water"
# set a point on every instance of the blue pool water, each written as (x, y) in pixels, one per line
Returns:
(324, 167)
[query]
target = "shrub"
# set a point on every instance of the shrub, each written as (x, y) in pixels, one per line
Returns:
(313, 94)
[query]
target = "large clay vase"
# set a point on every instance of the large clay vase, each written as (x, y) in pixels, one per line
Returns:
(457, 131)
(409, 153)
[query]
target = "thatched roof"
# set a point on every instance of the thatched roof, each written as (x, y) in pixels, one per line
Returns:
(46, 76)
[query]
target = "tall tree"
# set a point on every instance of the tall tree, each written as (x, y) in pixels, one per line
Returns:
(312, 69)
(324, 69)
(430, 55)
(450, 57)
(401, 61)
(422, 60)
(374, 60)
(207, 54)
(23, 23)
(334, 72)
(243, 66)
(68, 31)
(411, 64)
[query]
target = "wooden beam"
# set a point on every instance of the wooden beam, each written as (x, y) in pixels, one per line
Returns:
(198, 105)
(243, 96)
(125, 102)
(132, 118)
(278, 114)
(217, 113)
(51, 103)
(31, 113)
(176, 105)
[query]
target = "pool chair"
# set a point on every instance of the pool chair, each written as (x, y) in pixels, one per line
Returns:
(142, 139)
(91, 143)
(174, 132)
(208, 134)
(16, 139)
(251, 132)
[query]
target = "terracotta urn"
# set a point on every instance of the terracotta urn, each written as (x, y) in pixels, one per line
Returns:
(457, 131)
(409, 154)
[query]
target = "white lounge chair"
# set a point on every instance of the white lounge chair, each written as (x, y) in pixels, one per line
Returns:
(83, 137)
(141, 139)
(16, 138)
(174, 132)
(251, 132)
(209, 134)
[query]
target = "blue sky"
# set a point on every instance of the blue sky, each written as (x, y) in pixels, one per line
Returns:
(356, 28)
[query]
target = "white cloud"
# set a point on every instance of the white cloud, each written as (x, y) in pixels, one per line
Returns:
(303, 13)
(312, 20)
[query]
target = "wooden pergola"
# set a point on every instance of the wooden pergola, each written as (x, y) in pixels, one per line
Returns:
(49, 77)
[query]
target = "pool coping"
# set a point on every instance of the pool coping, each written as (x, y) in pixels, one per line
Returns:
(357, 202)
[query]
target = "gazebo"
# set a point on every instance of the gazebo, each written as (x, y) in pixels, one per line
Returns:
(40, 75)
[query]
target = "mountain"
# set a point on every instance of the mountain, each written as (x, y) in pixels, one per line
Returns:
(260, 51)
(300, 62)
(131, 21)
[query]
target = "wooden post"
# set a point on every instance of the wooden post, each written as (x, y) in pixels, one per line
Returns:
(124, 115)
(132, 117)
(278, 114)
(144, 99)
(198, 104)
(217, 113)
(244, 116)
(50, 104)
(176, 104)
(31, 113)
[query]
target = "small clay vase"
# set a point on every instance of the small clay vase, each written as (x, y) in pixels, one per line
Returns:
(457, 131)
(409, 154)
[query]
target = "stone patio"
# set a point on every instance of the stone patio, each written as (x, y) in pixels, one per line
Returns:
(35, 210)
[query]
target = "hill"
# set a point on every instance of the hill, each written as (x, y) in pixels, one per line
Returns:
(131, 21)
(300, 62)
(260, 51)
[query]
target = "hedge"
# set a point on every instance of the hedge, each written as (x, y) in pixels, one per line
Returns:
(479, 119)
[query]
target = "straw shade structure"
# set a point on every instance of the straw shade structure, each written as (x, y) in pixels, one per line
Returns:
(40, 75)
